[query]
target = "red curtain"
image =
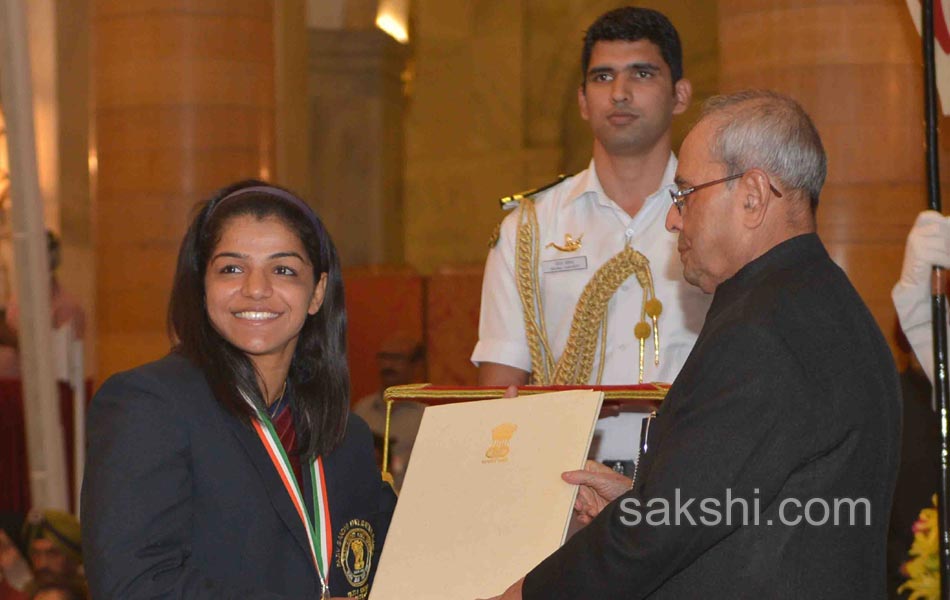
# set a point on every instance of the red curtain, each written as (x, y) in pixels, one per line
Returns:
(14, 469)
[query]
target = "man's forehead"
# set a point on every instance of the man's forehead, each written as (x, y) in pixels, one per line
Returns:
(695, 153)
(620, 53)
(705, 128)
(42, 544)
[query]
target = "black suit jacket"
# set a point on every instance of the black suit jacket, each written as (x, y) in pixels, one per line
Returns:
(180, 499)
(790, 394)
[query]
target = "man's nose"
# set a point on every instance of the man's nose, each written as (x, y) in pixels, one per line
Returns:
(620, 91)
(674, 220)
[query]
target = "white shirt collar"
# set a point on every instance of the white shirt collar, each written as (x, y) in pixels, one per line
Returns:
(588, 184)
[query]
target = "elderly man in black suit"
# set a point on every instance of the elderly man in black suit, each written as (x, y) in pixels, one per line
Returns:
(771, 464)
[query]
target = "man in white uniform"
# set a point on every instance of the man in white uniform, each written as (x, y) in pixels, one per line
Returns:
(632, 86)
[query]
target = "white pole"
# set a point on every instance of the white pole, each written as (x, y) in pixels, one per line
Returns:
(44, 432)
(77, 378)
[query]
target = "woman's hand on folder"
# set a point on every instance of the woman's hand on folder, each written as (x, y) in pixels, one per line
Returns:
(599, 486)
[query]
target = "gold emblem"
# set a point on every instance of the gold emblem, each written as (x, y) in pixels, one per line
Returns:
(355, 547)
(570, 244)
(493, 240)
(500, 439)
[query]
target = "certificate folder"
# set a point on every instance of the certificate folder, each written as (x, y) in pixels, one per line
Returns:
(483, 501)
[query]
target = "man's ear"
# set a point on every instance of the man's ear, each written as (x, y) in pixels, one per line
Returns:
(755, 194)
(582, 103)
(682, 95)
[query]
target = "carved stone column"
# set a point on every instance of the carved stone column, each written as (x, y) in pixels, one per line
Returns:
(356, 136)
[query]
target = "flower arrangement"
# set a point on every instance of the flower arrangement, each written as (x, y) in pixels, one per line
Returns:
(923, 568)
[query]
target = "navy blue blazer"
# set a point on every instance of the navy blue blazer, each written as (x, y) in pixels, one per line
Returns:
(180, 499)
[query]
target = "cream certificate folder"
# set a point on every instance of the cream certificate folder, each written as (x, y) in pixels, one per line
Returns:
(483, 501)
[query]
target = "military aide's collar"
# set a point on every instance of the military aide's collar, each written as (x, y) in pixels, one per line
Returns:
(587, 184)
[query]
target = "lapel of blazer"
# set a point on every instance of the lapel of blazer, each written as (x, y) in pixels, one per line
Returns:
(272, 482)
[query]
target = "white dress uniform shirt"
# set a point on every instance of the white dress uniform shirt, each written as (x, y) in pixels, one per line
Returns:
(579, 207)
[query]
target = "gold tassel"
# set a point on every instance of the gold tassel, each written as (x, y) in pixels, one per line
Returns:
(642, 332)
(654, 308)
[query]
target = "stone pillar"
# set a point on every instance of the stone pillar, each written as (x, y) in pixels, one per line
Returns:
(356, 140)
(73, 70)
(183, 104)
(855, 67)
(466, 125)
(292, 148)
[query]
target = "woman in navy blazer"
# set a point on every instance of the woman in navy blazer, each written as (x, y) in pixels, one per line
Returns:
(231, 468)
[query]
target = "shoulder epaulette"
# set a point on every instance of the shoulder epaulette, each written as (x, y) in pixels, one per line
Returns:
(512, 201)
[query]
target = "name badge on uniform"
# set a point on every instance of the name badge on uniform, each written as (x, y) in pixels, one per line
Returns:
(559, 265)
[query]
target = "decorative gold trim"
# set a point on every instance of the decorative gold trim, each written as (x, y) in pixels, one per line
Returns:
(419, 392)
(575, 365)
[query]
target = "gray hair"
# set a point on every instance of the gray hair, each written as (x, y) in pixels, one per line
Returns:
(767, 130)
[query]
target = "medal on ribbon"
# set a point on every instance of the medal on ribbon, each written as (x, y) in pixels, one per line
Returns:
(318, 528)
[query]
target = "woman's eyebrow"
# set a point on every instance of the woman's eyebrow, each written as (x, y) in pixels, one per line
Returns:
(289, 254)
(228, 255)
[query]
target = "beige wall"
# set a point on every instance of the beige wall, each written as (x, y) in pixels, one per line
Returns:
(465, 127)
(292, 111)
(184, 104)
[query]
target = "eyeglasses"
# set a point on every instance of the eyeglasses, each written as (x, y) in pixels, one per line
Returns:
(679, 196)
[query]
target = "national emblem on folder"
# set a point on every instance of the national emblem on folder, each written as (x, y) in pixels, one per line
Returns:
(500, 440)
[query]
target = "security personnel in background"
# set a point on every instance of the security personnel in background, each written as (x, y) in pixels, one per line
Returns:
(54, 544)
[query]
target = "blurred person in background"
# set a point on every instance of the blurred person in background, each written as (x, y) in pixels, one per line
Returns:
(54, 546)
(401, 359)
(65, 308)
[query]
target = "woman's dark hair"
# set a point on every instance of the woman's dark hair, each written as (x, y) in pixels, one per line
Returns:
(318, 380)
